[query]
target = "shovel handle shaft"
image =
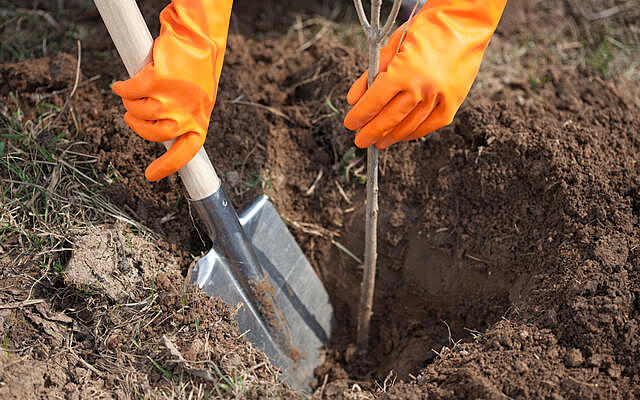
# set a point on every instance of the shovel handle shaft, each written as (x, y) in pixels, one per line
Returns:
(131, 37)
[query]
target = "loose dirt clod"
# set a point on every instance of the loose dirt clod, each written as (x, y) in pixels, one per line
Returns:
(115, 261)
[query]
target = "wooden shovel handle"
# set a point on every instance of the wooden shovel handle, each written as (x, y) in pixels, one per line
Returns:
(131, 37)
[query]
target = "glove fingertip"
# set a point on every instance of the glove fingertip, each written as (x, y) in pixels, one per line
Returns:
(153, 173)
(178, 155)
(351, 123)
(163, 167)
(129, 120)
(119, 88)
(354, 95)
(138, 85)
(126, 89)
(358, 89)
(363, 141)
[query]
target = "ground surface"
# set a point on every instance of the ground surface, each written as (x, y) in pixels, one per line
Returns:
(509, 261)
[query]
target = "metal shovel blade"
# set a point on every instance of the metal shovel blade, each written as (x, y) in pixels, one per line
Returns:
(300, 297)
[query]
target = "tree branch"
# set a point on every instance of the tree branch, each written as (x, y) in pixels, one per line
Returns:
(391, 19)
(376, 5)
(361, 16)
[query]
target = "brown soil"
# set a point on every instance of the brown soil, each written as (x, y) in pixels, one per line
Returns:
(74, 342)
(508, 253)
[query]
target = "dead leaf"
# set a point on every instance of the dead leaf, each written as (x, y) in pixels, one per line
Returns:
(45, 310)
(173, 350)
(50, 328)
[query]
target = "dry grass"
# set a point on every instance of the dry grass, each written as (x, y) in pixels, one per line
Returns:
(601, 35)
(166, 341)
(178, 343)
(49, 183)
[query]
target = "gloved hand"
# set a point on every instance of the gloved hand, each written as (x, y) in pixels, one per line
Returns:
(420, 88)
(172, 97)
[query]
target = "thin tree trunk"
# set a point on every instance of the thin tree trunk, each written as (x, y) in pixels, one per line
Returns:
(376, 35)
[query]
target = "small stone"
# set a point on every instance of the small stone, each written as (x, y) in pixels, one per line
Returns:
(233, 178)
(614, 371)
(521, 367)
(573, 358)
(595, 360)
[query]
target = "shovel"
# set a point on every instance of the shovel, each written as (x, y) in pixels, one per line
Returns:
(255, 261)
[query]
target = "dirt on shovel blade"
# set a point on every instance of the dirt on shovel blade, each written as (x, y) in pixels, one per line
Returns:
(509, 250)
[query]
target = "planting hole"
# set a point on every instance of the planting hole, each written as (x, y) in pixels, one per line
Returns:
(426, 299)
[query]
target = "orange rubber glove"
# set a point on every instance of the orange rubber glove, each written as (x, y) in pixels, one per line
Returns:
(421, 86)
(172, 97)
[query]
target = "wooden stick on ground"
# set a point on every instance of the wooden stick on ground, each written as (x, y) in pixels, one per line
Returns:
(376, 35)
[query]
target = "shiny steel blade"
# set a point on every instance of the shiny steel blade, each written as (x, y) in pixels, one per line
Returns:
(300, 296)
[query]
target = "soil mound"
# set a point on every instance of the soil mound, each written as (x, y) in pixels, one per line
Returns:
(540, 197)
